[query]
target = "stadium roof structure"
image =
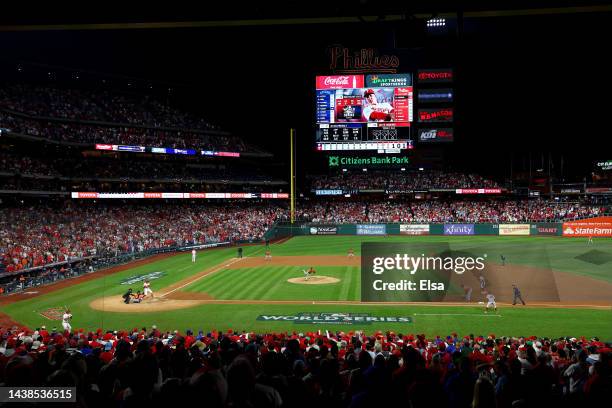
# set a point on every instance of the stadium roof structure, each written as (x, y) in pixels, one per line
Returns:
(280, 13)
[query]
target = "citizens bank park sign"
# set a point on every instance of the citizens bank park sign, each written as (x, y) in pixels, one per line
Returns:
(372, 161)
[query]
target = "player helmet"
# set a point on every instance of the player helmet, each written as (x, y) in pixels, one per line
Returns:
(368, 92)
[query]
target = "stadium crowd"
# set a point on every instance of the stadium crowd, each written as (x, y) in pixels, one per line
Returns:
(141, 367)
(39, 235)
(114, 133)
(405, 180)
(95, 105)
(445, 211)
(105, 168)
(36, 236)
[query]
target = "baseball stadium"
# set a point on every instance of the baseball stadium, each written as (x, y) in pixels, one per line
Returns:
(406, 222)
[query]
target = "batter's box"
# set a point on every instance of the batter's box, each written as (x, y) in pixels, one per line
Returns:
(55, 313)
(595, 257)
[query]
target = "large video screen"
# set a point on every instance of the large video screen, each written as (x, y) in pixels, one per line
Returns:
(364, 112)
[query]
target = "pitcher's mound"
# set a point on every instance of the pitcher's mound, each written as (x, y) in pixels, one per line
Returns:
(314, 280)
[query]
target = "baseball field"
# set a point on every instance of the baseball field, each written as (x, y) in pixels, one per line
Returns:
(566, 283)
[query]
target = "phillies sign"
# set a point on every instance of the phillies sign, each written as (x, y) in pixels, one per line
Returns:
(363, 60)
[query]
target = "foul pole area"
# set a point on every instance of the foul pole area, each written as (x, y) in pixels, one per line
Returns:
(292, 171)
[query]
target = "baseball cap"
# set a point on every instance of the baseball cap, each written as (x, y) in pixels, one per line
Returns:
(368, 92)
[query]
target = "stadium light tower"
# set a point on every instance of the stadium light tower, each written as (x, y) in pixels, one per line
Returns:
(433, 23)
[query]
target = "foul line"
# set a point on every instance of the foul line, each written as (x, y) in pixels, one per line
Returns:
(457, 314)
(210, 272)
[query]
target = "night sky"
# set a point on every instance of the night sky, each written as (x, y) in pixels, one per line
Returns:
(537, 84)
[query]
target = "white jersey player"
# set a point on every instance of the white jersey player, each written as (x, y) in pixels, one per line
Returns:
(193, 255)
(375, 111)
(491, 302)
(66, 320)
(147, 288)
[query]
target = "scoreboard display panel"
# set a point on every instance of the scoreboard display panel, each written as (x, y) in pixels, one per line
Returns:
(364, 112)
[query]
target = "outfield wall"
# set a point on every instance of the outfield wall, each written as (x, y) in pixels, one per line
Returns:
(449, 229)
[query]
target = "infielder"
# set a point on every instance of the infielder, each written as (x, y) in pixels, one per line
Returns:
(351, 253)
(268, 256)
(467, 292)
(146, 287)
(483, 284)
(193, 255)
(491, 302)
(517, 295)
(66, 320)
(503, 260)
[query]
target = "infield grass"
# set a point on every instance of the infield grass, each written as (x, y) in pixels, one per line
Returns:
(270, 282)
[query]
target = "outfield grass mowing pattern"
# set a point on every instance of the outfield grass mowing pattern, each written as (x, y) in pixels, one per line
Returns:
(270, 283)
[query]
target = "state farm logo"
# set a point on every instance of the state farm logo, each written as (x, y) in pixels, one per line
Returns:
(336, 81)
(569, 231)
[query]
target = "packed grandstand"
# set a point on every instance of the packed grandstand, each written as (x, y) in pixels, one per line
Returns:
(46, 236)
(353, 369)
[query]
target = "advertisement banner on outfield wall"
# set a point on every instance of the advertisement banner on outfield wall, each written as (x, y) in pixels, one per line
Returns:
(545, 229)
(458, 229)
(323, 230)
(592, 227)
(371, 229)
(414, 229)
(514, 229)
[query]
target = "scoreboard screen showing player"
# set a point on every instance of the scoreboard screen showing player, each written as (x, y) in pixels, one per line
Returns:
(364, 112)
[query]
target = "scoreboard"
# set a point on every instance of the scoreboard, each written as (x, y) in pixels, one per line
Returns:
(364, 112)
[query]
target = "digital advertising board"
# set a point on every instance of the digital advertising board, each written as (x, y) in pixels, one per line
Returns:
(363, 110)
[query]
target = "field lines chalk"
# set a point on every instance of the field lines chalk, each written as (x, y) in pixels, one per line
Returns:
(457, 314)
(213, 270)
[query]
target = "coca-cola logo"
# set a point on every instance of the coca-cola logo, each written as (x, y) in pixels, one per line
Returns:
(341, 80)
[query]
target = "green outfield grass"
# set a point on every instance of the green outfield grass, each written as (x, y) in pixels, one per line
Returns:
(270, 283)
